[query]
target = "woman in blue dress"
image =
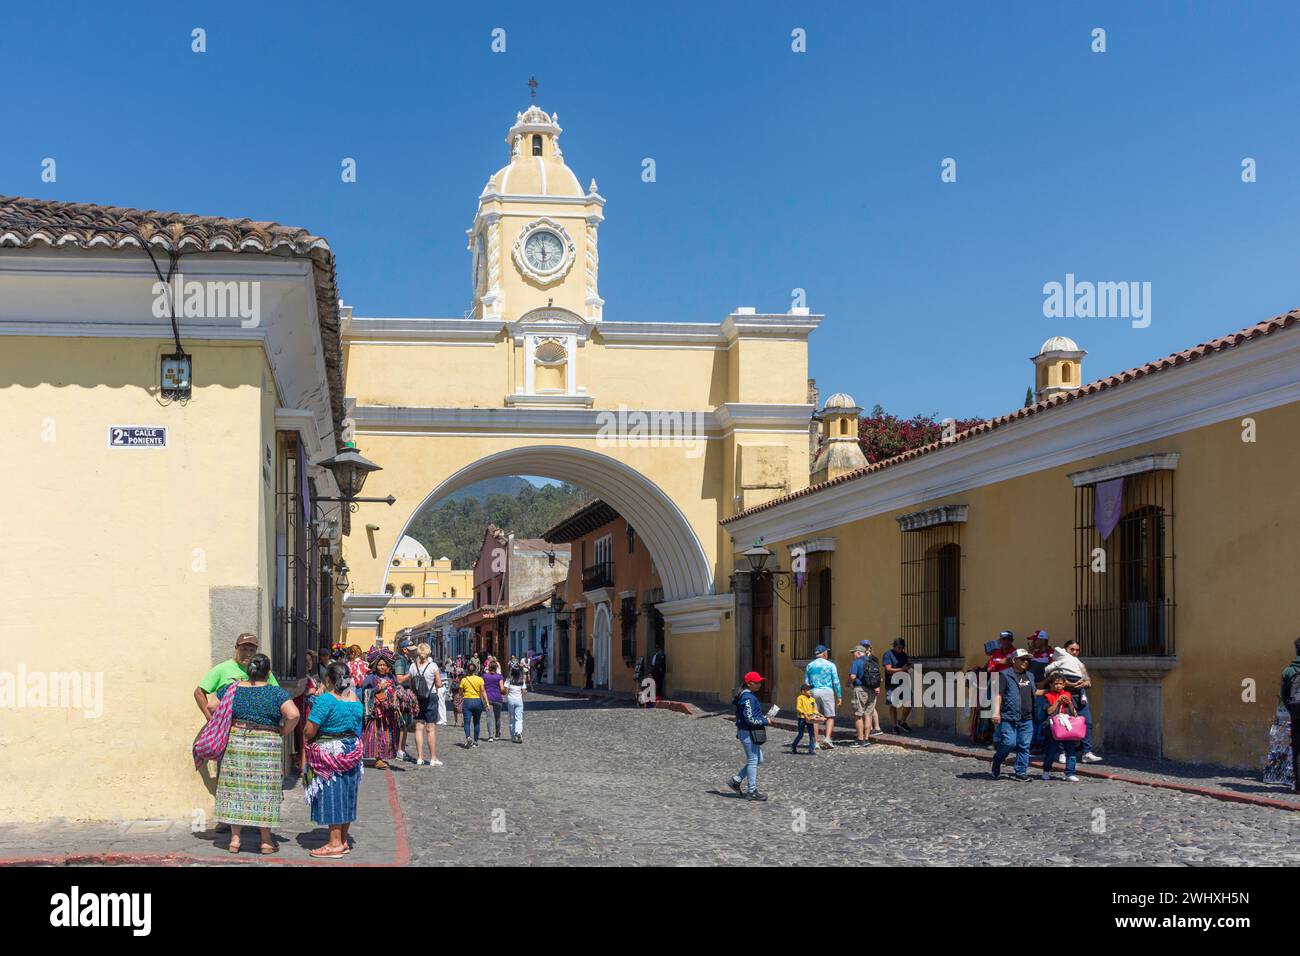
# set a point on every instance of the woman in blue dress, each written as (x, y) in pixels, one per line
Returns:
(334, 756)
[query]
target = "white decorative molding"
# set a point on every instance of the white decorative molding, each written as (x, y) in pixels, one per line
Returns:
(695, 615)
(814, 545)
(1246, 379)
(933, 517)
(1121, 469)
(544, 224)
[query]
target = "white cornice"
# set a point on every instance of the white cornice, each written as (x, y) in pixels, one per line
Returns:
(479, 330)
(577, 421)
(695, 615)
(1248, 378)
(1122, 469)
(781, 326)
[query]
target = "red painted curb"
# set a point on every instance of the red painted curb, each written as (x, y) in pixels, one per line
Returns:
(402, 857)
(1227, 796)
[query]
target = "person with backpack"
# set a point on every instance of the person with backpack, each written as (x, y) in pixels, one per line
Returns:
(864, 678)
(425, 681)
(751, 731)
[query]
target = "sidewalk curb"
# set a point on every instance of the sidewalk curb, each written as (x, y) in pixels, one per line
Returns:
(401, 856)
(1213, 793)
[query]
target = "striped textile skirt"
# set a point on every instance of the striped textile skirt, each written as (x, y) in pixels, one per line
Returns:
(380, 735)
(336, 803)
(248, 782)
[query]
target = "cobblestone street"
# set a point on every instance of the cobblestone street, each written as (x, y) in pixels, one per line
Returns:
(607, 784)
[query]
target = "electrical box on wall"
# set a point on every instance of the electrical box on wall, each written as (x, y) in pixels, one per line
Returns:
(177, 376)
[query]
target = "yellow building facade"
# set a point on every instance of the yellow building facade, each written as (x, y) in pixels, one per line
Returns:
(1185, 612)
(186, 508)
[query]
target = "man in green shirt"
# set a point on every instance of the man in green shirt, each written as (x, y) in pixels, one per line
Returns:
(227, 672)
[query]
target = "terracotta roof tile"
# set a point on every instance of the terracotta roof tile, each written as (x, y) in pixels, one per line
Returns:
(32, 223)
(1223, 343)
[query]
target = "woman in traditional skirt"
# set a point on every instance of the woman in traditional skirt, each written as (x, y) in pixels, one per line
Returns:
(251, 770)
(334, 759)
(382, 709)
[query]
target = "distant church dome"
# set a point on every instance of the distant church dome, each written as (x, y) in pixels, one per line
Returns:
(410, 551)
(1059, 343)
(840, 400)
(536, 166)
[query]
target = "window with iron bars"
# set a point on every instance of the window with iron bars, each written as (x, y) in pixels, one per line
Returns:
(931, 590)
(811, 607)
(1124, 585)
(627, 620)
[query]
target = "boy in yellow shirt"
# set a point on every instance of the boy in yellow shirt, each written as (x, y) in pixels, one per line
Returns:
(809, 718)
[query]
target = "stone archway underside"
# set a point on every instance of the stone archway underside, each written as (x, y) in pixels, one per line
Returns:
(680, 559)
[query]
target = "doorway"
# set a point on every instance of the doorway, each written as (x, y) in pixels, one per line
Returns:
(600, 641)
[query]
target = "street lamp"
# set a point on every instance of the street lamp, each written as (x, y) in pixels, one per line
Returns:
(341, 579)
(758, 557)
(350, 469)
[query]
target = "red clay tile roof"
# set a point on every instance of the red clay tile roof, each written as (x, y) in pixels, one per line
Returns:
(30, 223)
(1270, 327)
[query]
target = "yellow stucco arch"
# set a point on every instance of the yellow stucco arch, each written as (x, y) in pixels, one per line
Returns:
(683, 566)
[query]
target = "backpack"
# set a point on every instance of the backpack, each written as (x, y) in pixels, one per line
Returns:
(1293, 700)
(421, 683)
(871, 671)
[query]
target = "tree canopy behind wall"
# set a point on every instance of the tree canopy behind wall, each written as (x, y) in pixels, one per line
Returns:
(454, 528)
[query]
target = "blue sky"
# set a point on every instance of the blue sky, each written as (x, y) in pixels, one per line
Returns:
(775, 170)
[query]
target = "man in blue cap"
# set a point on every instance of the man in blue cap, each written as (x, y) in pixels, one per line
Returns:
(824, 679)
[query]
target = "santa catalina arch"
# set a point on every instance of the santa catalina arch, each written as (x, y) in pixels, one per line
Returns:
(677, 424)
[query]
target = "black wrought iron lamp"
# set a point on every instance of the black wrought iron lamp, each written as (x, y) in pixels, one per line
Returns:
(351, 469)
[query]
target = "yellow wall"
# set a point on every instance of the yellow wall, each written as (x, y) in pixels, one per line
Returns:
(150, 532)
(1236, 554)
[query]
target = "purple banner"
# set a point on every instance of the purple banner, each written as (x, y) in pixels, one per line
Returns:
(1110, 497)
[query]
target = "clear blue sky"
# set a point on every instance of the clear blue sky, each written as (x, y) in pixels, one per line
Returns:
(776, 170)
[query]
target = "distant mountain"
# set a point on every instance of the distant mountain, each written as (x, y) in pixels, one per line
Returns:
(454, 526)
(508, 485)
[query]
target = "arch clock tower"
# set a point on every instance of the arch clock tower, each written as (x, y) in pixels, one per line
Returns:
(533, 242)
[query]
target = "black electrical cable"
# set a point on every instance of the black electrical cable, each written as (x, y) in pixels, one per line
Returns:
(174, 258)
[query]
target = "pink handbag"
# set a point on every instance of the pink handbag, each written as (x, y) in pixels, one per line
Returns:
(1065, 727)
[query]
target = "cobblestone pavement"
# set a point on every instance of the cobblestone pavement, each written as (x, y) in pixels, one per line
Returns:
(609, 784)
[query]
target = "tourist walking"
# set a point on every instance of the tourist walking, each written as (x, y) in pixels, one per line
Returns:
(1283, 764)
(334, 759)
(1057, 700)
(897, 665)
(1013, 715)
(426, 682)
(589, 668)
(865, 679)
(250, 774)
(472, 696)
(516, 688)
(751, 731)
(805, 706)
(1068, 662)
(823, 677)
(492, 682)
(1039, 657)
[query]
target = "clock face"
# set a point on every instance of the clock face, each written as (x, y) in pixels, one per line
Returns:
(544, 251)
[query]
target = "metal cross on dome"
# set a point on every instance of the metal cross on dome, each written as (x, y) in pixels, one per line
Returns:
(532, 88)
